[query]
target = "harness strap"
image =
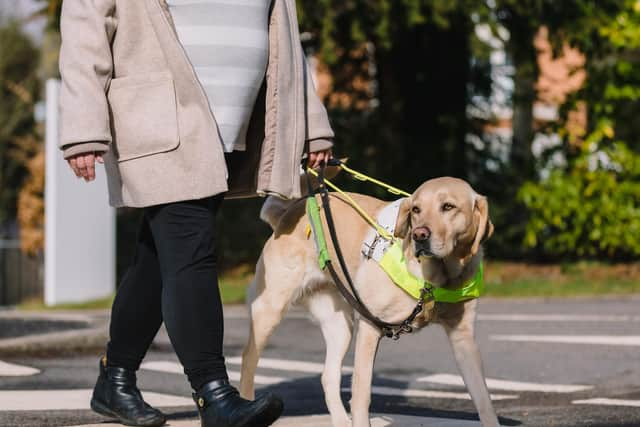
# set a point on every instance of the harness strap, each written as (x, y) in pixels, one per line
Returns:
(325, 182)
(391, 330)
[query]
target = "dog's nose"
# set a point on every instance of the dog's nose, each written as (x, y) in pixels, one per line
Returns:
(421, 234)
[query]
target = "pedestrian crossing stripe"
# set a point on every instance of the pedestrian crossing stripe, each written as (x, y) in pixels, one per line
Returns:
(608, 402)
(495, 384)
(13, 370)
(433, 394)
(621, 340)
(75, 399)
(176, 368)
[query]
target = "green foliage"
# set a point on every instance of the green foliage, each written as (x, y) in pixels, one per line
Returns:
(19, 89)
(404, 67)
(592, 206)
(51, 11)
(592, 209)
(419, 62)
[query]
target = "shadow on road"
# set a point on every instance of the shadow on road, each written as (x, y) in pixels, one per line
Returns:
(304, 396)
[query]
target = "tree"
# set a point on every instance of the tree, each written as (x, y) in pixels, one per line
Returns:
(415, 57)
(591, 205)
(428, 63)
(31, 205)
(51, 11)
(19, 90)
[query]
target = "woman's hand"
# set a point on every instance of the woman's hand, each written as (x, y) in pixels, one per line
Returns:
(83, 165)
(316, 158)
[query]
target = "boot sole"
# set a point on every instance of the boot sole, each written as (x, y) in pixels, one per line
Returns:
(268, 417)
(101, 409)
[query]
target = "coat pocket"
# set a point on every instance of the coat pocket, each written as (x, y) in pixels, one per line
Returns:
(144, 115)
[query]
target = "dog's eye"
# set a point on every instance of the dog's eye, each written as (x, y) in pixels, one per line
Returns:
(447, 207)
(415, 210)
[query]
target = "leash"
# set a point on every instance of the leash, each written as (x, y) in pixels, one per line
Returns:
(350, 294)
(362, 177)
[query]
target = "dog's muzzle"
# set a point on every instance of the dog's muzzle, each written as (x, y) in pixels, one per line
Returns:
(421, 241)
(423, 249)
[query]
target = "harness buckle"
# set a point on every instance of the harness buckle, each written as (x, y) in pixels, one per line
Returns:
(368, 254)
(405, 328)
(427, 291)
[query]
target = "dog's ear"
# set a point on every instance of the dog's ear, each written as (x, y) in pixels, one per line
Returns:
(403, 221)
(482, 222)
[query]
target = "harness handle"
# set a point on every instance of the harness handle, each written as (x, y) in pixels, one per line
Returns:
(324, 183)
(363, 177)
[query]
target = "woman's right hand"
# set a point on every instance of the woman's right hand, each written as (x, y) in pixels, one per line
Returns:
(84, 165)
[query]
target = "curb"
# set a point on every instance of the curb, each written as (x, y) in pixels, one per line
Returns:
(92, 337)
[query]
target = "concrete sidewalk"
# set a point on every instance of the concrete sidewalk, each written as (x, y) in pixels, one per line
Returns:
(377, 420)
(65, 331)
(53, 331)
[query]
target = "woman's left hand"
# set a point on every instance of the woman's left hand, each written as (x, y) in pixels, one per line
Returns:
(316, 158)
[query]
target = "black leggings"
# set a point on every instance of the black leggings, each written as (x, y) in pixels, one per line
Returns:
(173, 278)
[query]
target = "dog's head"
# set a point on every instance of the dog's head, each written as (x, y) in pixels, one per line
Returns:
(444, 217)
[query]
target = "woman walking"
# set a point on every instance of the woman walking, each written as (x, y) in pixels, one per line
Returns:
(185, 102)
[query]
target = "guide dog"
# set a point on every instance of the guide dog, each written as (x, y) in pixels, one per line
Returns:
(442, 225)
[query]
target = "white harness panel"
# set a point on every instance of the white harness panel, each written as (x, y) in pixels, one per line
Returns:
(374, 245)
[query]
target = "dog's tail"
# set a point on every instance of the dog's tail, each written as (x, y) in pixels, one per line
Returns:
(274, 207)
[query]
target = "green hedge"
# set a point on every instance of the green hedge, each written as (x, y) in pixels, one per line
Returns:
(591, 209)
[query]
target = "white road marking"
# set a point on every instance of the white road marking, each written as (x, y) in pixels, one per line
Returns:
(12, 370)
(377, 420)
(176, 368)
(503, 317)
(557, 318)
(163, 366)
(287, 365)
(608, 402)
(50, 400)
(297, 314)
(496, 384)
(258, 379)
(408, 392)
(623, 340)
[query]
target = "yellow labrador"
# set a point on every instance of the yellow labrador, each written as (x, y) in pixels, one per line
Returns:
(442, 226)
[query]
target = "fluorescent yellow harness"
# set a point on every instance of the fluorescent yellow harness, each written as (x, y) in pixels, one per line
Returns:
(394, 264)
(392, 261)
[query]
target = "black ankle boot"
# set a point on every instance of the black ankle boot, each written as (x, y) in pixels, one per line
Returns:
(116, 395)
(220, 405)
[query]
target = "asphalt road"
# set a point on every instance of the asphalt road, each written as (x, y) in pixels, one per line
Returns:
(551, 363)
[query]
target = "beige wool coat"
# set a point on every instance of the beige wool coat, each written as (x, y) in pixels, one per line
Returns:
(129, 90)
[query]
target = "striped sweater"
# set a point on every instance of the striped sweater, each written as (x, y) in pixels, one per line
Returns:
(227, 42)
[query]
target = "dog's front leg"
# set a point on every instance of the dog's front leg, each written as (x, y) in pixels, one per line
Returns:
(366, 347)
(462, 339)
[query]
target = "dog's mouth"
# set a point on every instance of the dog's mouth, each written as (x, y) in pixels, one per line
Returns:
(423, 250)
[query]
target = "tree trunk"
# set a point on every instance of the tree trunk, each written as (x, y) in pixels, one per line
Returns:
(423, 99)
(524, 56)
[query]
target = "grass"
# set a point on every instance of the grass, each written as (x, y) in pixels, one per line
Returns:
(503, 280)
(37, 304)
(233, 286)
(547, 288)
(509, 280)
(561, 280)
(234, 282)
